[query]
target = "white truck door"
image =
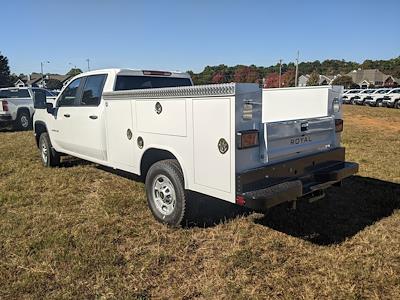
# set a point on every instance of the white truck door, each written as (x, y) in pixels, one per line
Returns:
(82, 126)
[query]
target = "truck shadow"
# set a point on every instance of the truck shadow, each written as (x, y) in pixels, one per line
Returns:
(345, 211)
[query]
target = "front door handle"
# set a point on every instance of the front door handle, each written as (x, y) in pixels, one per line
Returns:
(93, 117)
(67, 115)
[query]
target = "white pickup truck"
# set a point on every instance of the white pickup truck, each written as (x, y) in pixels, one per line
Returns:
(236, 142)
(16, 106)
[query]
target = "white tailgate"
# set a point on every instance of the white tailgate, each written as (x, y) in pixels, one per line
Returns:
(120, 150)
(211, 122)
(294, 103)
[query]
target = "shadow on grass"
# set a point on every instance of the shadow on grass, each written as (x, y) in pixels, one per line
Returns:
(360, 202)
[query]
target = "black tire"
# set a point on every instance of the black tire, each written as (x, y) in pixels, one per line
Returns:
(51, 158)
(353, 102)
(169, 208)
(397, 104)
(378, 103)
(23, 120)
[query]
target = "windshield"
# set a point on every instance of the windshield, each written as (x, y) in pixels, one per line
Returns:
(126, 82)
(382, 91)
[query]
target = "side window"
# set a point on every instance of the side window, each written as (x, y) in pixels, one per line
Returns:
(92, 90)
(23, 93)
(70, 94)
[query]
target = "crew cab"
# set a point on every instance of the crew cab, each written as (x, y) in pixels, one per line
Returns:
(349, 96)
(392, 98)
(16, 106)
(237, 142)
(376, 98)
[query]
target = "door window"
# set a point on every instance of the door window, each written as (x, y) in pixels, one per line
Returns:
(92, 90)
(70, 94)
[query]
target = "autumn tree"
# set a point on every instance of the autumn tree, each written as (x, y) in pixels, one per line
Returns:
(314, 79)
(288, 78)
(246, 74)
(272, 80)
(218, 78)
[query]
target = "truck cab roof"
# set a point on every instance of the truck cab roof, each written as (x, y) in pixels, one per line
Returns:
(135, 72)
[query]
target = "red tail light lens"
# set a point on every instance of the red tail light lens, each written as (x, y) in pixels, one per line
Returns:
(338, 125)
(4, 105)
(240, 200)
(248, 139)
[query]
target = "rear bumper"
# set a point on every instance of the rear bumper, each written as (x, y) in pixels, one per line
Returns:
(287, 181)
(5, 118)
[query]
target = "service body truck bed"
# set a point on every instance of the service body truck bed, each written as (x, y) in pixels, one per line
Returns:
(237, 142)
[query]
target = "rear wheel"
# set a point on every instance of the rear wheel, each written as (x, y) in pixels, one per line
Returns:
(353, 102)
(50, 157)
(166, 195)
(23, 121)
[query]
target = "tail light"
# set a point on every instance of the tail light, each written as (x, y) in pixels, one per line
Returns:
(240, 200)
(4, 103)
(338, 125)
(248, 139)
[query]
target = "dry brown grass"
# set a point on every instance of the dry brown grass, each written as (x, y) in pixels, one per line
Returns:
(81, 232)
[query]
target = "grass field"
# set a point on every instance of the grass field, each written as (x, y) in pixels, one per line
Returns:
(82, 232)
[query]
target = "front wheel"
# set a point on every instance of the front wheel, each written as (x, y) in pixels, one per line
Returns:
(50, 158)
(397, 104)
(166, 195)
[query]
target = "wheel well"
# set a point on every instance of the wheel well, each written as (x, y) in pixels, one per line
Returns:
(39, 129)
(152, 156)
(25, 109)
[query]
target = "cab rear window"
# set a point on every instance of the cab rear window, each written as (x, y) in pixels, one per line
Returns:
(126, 82)
(24, 93)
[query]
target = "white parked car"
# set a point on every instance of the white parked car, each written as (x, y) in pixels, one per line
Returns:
(360, 97)
(236, 142)
(392, 98)
(376, 98)
(349, 96)
(16, 106)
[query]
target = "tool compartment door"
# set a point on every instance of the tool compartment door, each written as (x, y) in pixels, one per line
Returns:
(212, 123)
(120, 143)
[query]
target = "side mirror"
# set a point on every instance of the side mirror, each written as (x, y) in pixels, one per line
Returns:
(49, 108)
(39, 99)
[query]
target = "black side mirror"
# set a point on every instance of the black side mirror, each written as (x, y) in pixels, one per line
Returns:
(49, 108)
(39, 99)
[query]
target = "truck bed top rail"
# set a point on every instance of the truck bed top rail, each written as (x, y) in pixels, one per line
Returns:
(225, 89)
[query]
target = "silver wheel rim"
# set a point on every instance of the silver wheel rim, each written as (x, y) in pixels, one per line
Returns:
(24, 121)
(45, 152)
(164, 195)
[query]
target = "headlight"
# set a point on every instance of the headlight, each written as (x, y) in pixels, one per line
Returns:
(336, 105)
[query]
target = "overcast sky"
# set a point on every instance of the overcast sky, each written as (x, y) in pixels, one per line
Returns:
(188, 35)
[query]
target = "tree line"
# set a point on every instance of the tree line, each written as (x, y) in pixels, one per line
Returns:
(269, 76)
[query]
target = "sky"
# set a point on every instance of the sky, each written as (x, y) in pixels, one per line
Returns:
(189, 35)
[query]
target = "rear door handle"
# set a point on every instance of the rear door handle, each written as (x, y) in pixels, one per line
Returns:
(67, 115)
(93, 117)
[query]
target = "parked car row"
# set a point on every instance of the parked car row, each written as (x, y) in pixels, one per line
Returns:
(16, 106)
(373, 97)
